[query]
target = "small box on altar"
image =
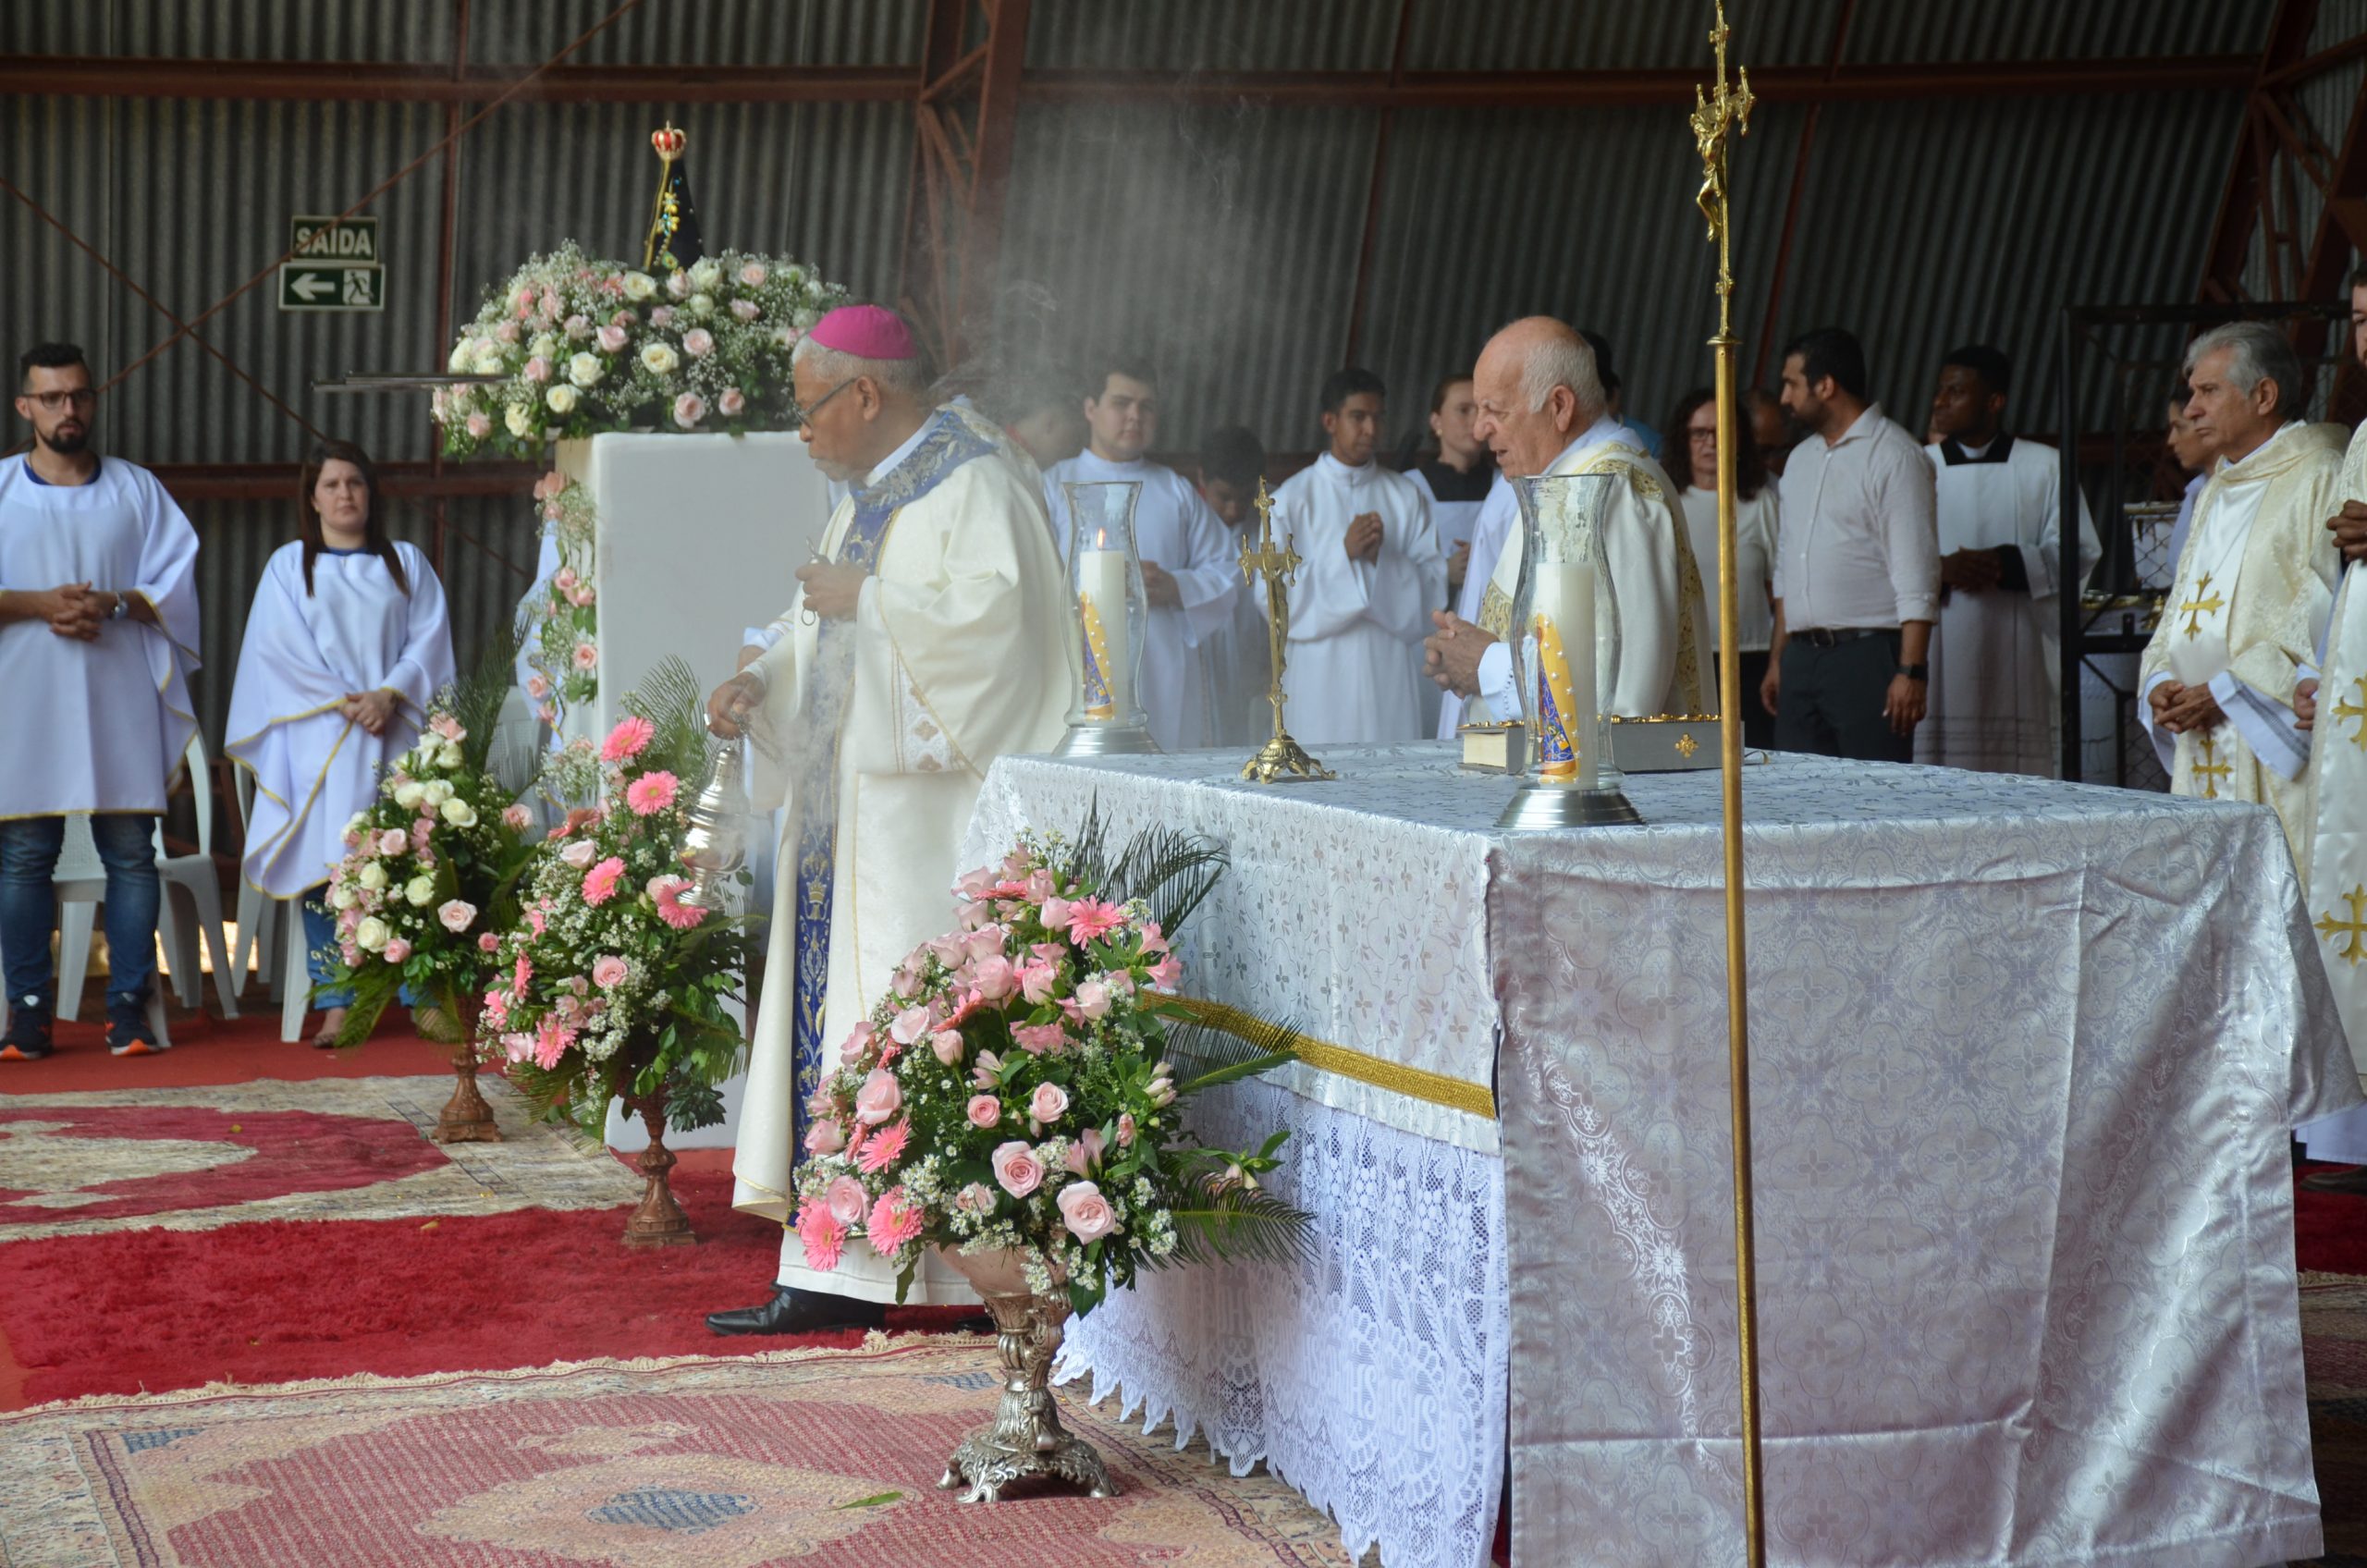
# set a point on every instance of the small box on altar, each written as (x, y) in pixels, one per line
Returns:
(1495, 748)
(1669, 744)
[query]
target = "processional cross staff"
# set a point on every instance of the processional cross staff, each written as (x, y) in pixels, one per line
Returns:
(1719, 113)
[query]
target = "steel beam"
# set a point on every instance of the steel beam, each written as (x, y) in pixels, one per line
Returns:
(2247, 193)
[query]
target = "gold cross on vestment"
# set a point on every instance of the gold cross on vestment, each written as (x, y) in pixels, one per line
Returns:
(2194, 609)
(2211, 769)
(2357, 710)
(2355, 928)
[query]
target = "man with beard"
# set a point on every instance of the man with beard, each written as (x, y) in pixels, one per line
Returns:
(98, 636)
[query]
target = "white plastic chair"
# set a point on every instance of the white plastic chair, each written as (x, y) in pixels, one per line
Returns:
(259, 912)
(81, 884)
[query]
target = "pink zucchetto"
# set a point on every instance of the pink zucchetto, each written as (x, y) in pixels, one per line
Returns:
(868, 332)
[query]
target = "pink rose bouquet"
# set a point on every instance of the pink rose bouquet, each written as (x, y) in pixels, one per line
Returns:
(1021, 1085)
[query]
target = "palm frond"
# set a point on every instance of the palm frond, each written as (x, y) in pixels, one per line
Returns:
(1088, 858)
(669, 696)
(1238, 1223)
(1224, 1045)
(1170, 870)
(475, 698)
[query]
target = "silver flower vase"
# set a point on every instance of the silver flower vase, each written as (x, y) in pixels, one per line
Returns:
(1026, 1440)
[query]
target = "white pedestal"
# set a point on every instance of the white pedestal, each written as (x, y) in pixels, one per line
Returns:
(700, 536)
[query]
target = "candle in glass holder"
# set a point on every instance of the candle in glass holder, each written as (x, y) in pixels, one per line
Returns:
(1101, 595)
(1561, 621)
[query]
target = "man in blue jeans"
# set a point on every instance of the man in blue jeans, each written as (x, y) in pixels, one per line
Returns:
(98, 636)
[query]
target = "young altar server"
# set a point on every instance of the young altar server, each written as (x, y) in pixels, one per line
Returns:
(1996, 691)
(2254, 585)
(1241, 665)
(1370, 573)
(98, 637)
(1189, 572)
(934, 640)
(348, 641)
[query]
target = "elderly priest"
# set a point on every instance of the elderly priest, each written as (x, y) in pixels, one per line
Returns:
(932, 642)
(1541, 410)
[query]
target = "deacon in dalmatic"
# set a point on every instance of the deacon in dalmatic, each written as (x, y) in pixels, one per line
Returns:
(1541, 410)
(932, 642)
(1189, 574)
(1372, 572)
(2254, 585)
(1995, 683)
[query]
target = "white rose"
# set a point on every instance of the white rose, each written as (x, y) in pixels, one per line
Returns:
(460, 813)
(341, 898)
(371, 934)
(560, 399)
(703, 273)
(358, 821)
(463, 355)
(584, 368)
(517, 421)
(701, 306)
(450, 755)
(421, 890)
(374, 876)
(544, 346)
(408, 796)
(659, 358)
(435, 792)
(486, 358)
(640, 286)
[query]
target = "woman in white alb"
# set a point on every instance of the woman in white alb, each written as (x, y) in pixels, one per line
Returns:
(1695, 423)
(347, 642)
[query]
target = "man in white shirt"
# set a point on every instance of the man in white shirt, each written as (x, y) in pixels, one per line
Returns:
(1189, 572)
(1856, 569)
(1372, 572)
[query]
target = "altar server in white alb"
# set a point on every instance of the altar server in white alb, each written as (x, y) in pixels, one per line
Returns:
(935, 638)
(1995, 696)
(1240, 660)
(98, 637)
(1370, 573)
(1541, 410)
(348, 641)
(1189, 573)
(2254, 585)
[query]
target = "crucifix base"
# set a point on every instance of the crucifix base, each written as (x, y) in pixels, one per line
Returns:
(1283, 761)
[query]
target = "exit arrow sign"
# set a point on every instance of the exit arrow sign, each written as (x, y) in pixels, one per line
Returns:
(327, 286)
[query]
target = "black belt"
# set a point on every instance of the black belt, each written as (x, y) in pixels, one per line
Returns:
(1823, 637)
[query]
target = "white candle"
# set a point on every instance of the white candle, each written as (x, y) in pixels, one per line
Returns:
(1101, 584)
(1562, 621)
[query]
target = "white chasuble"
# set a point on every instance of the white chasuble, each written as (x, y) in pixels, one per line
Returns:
(96, 726)
(959, 651)
(2338, 869)
(304, 653)
(1664, 656)
(2253, 588)
(1995, 692)
(1174, 528)
(1353, 668)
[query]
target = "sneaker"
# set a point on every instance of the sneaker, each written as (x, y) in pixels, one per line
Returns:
(28, 1038)
(128, 1031)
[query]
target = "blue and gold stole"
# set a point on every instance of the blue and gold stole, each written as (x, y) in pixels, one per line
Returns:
(949, 445)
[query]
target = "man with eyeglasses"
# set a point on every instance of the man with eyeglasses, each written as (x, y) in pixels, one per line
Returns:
(98, 636)
(930, 637)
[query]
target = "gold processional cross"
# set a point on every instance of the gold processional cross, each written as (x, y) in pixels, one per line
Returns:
(2194, 609)
(2357, 710)
(1275, 564)
(2211, 769)
(2355, 928)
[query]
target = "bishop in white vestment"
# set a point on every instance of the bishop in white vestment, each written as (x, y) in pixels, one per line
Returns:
(938, 641)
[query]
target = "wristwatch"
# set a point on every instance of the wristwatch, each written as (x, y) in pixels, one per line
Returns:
(1916, 671)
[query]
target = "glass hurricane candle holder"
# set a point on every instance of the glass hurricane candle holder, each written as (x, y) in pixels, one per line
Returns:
(1110, 612)
(1565, 647)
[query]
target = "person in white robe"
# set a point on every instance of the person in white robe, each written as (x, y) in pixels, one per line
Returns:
(1241, 661)
(1541, 410)
(1370, 575)
(934, 639)
(1694, 422)
(348, 639)
(98, 639)
(1995, 699)
(2254, 587)
(1190, 575)
(1457, 478)
(1497, 520)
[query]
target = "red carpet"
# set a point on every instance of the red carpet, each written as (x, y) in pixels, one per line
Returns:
(2329, 1229)
(208, 1051)
(150, 1310)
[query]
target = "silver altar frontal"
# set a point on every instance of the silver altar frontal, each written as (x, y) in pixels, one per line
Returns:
(2025, 1251)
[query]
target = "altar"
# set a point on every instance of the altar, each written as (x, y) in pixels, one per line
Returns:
(2024, 1059)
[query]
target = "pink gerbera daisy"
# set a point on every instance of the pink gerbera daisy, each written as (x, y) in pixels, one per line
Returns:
(1091, 919)
(824, 1237)
(667, 892)
(600, 882)
(627, 739)
(883, 1147)
(895, 1222)
(651, 793)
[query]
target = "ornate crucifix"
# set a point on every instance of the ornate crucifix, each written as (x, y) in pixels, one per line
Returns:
(2194, 609)
(2211, 769)
(2357, 710)
(2354, 929)
(1281, 758)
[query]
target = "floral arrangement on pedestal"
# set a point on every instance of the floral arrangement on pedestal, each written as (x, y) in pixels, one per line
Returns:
(608, 983)
(560, 622)
(1019, 1087)
(586, 344)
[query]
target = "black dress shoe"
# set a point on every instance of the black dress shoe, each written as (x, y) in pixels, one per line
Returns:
(799, 1312)
(2353, 1180)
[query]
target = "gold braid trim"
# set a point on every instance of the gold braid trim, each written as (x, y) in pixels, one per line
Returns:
(1414, 1083)
(1690, 692)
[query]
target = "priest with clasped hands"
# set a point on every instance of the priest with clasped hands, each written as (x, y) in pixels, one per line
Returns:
(1542, 411)
(928, 643)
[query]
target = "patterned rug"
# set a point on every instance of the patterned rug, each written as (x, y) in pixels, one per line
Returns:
(799, 1457)
(2334, 1343)
(83, 1163)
